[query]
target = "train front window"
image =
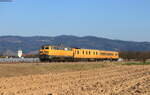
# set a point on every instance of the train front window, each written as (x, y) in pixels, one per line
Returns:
(45, 47)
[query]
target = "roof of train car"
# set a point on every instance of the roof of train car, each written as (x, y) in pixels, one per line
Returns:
(80, 48)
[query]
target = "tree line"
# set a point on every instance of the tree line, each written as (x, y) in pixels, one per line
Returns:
(135, 55)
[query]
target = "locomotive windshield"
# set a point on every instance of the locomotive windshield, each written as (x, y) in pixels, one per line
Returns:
(61, 48)
(57, 48)
(45, 47)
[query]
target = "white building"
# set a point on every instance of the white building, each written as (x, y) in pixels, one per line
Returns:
(20, 53)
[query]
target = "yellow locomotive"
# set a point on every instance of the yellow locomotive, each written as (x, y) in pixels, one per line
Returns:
(61, 53)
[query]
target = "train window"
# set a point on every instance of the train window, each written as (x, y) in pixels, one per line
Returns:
(89, 52)
(83, 52)
(78, 52)
(47, 47)
(96, 53)
(86, 52)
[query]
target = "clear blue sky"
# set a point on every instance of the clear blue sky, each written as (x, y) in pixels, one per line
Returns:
(115, 19)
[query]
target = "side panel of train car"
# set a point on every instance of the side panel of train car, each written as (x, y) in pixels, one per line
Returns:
(95, 54)
(57, 53)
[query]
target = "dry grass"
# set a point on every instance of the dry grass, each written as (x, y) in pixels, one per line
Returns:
(10, 70)
(74, 79)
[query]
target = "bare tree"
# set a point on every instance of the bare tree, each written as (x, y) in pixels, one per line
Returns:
(136, 55)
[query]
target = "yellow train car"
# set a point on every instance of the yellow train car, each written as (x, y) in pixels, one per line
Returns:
(95, 54)
(60, 53)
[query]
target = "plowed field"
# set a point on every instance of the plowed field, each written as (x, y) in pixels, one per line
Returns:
(111, 80)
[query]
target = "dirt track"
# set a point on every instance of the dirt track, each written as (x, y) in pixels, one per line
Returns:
(115, 80)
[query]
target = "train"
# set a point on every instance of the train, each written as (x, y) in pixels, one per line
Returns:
(62, 53)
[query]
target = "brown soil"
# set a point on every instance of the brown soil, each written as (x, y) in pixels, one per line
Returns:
(113, 80)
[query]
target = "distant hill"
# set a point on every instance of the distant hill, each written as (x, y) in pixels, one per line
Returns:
(32, 44)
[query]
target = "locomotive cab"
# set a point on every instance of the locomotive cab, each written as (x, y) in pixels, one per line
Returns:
(55, 53)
